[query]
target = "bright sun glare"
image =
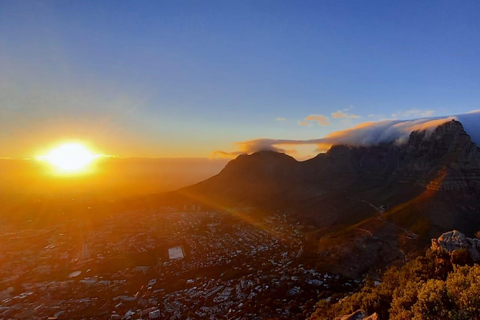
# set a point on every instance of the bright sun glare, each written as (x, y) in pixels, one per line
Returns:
(69, 157)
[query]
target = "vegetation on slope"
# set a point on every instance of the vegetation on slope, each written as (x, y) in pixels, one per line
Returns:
(436, 286)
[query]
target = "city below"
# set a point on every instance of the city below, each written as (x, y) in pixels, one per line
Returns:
(162, 264)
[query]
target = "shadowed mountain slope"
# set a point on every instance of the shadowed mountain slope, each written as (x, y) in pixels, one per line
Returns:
(375, 201)
(336, 185)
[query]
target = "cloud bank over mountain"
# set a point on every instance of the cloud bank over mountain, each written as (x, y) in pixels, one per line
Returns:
(364, 134)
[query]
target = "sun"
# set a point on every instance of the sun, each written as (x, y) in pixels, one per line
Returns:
(69, 157)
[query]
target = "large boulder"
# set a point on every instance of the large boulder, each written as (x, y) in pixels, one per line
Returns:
(358, 315)
(455, 240)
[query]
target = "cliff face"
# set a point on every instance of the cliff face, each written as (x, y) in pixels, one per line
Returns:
(446, 159)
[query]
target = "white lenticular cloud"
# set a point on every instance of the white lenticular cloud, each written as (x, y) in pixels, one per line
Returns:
(387, 131)
(369, 133)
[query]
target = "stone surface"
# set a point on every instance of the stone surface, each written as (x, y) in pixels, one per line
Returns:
(357, 315)
(455, 240)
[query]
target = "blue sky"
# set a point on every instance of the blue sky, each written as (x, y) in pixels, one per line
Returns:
(185, 78)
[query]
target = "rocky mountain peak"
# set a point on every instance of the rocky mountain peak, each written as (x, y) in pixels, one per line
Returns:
(443, 159)
(447, 139)
(263, 164)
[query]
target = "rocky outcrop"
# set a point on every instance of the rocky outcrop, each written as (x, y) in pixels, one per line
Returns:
(455, 240)
(358, 315)
(445, 159)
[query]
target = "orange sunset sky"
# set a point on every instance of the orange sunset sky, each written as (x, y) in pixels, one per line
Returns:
(193, 78)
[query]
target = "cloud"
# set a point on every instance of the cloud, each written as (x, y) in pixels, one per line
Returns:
(343, 115)
(259, 145)
(368, 133)
(321, 120)
(280, 119)
(413, 113)
(249, 147)
(386, 131)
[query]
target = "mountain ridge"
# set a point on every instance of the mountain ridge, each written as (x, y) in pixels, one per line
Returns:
(382, 202)
(446, 159)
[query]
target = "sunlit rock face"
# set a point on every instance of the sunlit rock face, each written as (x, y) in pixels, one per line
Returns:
(455, 240)
(446, 159)
(441, 159)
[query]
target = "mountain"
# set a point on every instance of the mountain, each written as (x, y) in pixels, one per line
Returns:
(376, 202)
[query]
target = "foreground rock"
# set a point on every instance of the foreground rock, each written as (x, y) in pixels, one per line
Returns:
(358, 315)
(455, 240)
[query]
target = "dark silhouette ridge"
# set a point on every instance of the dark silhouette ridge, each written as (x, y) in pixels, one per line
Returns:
(445, 160)
(372, 200)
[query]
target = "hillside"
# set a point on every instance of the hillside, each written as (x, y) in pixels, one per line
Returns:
(366, 205)
(442, 283)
